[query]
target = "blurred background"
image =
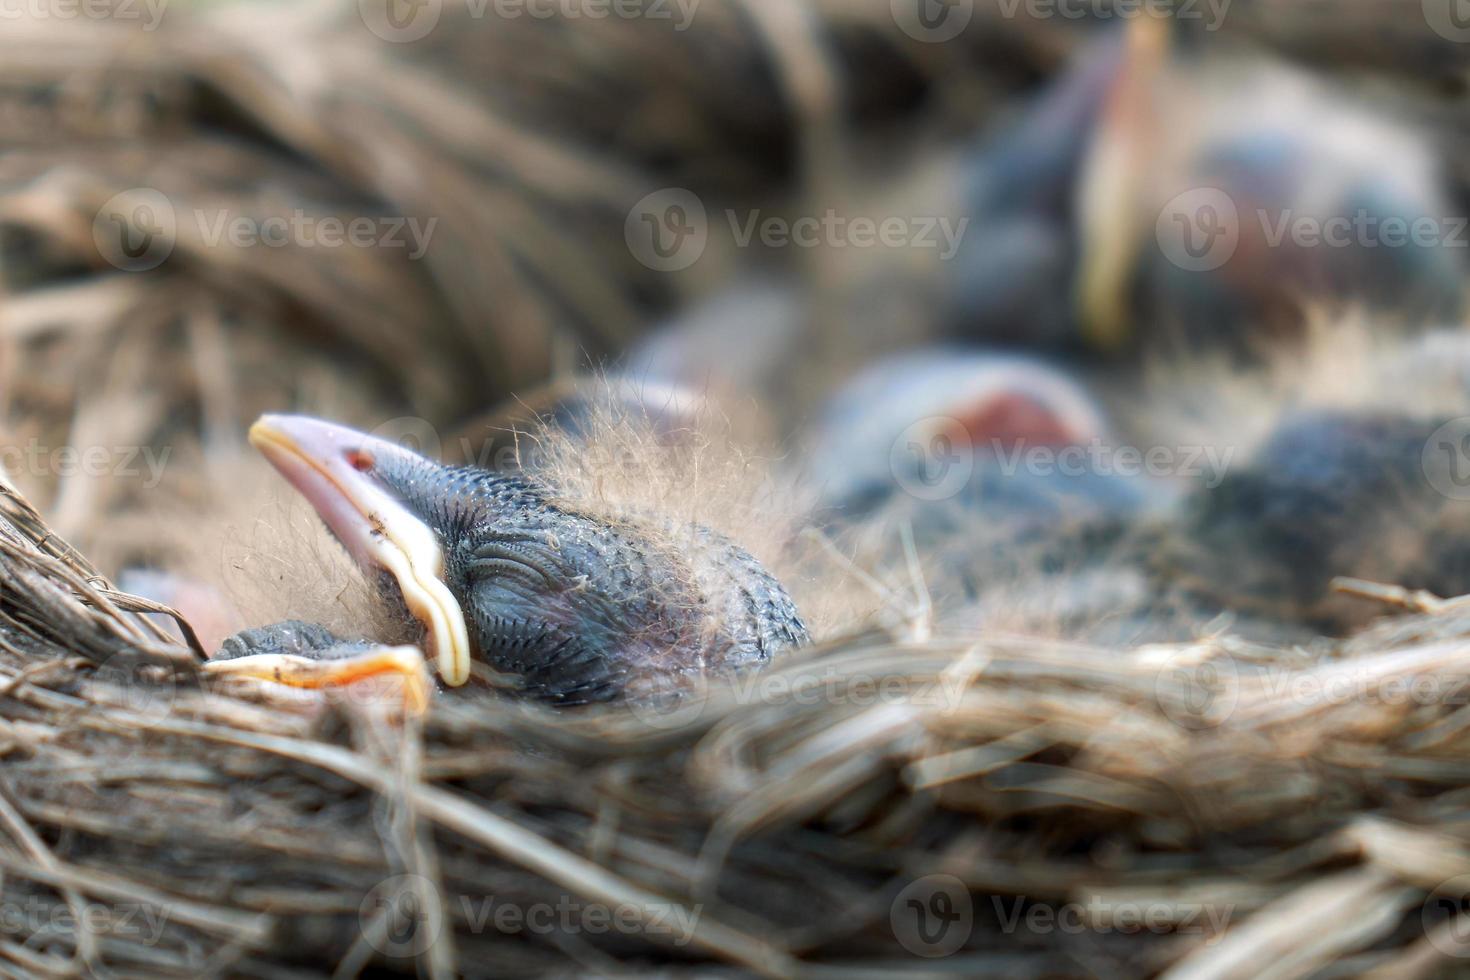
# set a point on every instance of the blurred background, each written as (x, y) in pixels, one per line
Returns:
(859, 233)
(1079, 345)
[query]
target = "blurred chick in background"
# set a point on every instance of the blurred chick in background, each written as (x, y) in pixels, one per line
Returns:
(1346, 459)
(893, 433)
(987, 474)
(1368, 495)
(1168, 193)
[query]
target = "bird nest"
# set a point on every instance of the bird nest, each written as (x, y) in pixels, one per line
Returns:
(903, 799)
(1009, 804)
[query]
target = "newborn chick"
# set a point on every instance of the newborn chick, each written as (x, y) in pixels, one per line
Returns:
(1167, 195)
(580, 606)
(1363, 495)
(941, 436)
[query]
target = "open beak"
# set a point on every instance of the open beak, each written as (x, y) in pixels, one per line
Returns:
(331, 466)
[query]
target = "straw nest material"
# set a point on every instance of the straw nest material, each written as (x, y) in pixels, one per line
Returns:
(1083, 811)
(894, 800)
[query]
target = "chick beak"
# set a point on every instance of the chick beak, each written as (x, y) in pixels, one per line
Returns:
(1111, 194)
(401, 664)
(331, 466)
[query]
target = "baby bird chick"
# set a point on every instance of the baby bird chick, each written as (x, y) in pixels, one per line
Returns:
(578, 605)
(1368, 495)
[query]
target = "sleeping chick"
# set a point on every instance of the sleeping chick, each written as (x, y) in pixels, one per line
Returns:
(579, 606)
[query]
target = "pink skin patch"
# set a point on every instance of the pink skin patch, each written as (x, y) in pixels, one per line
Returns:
(1013, 420)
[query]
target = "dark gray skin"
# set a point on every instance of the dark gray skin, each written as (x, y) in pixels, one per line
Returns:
(582, 608)
(1329, 494)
